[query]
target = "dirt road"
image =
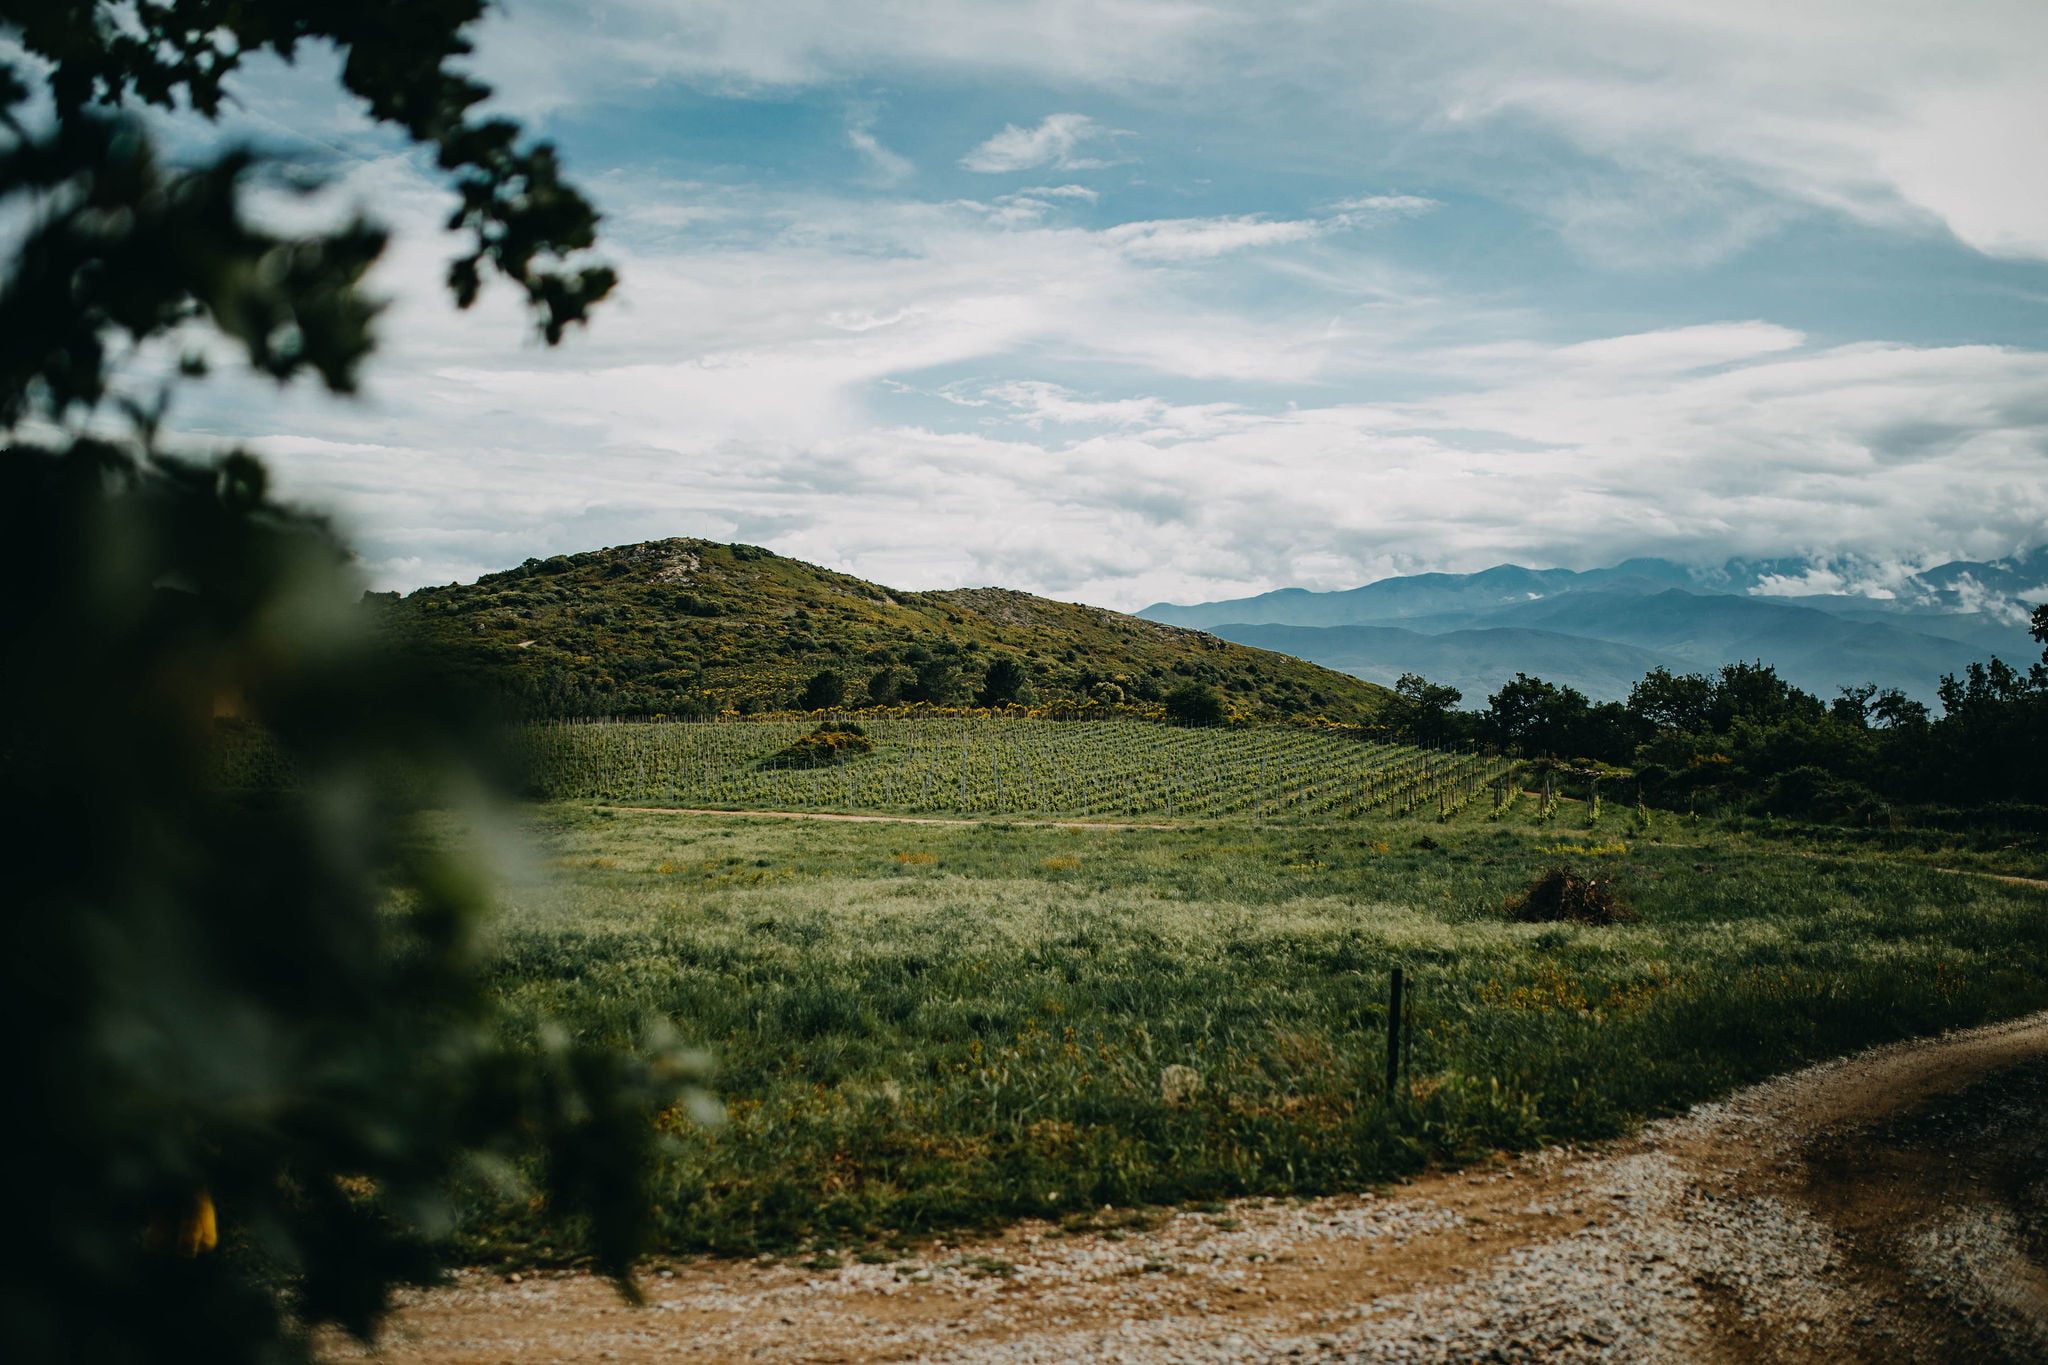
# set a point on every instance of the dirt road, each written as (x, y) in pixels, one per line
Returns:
(884, 819)
(1888, 1207)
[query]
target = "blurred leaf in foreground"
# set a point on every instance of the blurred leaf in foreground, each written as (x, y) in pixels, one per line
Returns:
(256, 1062)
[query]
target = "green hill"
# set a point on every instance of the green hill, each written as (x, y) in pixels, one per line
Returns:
(693, 627)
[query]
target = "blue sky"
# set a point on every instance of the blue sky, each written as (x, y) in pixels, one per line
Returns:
(1141, 299)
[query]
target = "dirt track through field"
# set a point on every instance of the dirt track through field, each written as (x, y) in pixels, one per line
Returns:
(1891, 1206)
(887, 819)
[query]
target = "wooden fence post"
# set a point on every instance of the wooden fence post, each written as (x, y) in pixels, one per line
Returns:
(1393, 1033)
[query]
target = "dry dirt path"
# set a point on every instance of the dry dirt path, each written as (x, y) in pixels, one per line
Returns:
(886, 819)
(1891, 1206)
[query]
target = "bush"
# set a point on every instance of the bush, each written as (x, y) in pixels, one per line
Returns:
(829, 744)
(1194, 703)
(1002, 683)
(824, 691)
(1815, 792)
(1563, 895)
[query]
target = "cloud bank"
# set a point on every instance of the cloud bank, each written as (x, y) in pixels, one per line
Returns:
(1065, 351)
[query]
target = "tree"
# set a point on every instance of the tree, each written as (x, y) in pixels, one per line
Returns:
(1194, 703)
(937, 682)
(1664, 700)
(885, 688)
(245, 1011)
(1755, 693)
(1852, 706)
(1423, 708)
(1895, 710)
(825, 691)
(1003, 683)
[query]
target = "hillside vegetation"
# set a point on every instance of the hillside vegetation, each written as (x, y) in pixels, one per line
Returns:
(694, 627)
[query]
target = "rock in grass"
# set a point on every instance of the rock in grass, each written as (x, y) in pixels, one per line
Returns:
(1179, 1085)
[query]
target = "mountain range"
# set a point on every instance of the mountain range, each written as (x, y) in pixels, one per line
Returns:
(1601, 629)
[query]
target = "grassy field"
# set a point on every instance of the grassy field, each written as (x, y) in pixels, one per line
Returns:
(923, 1026)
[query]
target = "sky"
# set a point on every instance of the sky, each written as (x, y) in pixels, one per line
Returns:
(1129, 300)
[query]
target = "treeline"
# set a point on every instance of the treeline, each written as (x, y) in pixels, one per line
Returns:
(1745, 739)
(942, 673)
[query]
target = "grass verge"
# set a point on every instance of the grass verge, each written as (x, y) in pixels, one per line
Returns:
(920, 1027)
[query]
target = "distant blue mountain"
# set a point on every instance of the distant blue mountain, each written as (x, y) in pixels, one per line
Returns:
(1600, 629)
(1469, 660)
(1429, 595)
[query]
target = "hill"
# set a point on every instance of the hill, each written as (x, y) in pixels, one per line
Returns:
(687, 627)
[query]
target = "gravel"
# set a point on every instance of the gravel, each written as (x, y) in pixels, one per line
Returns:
(1703, 1236)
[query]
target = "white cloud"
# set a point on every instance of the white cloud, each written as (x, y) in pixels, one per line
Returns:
(1052, 143)
(1188, 239)
(1372, 208)
(1893, 112)
(732, 394)
(889, 168)
(1036, 403)
(1696, 124)
(1081, 192)
(1139, 422)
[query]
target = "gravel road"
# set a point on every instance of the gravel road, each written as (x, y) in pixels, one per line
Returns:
(1891, 1206)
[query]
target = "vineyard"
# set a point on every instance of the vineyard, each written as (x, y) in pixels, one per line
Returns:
(1014, 767)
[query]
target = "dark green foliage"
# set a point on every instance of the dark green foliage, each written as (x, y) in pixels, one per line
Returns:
(1537, 717)
(937, 683)
(266, 1005)
(1194, 703)
(885, 688)
(823, 692)
(1666, 701)
(1422, 708)
(523, 220)
(124, 248)
(242, 997)
(1745, 739)
(1003, 683)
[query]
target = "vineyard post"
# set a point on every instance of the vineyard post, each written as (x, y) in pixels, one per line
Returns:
(1393, 1032)
(1414, 993)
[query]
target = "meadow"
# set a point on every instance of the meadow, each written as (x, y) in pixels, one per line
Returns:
(925, 1026)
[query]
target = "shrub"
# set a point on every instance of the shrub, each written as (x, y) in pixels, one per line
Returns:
(1563, 895)
(824, 691)
(1194, 703)
(829, 744)
(1002, 683)
(886, 687)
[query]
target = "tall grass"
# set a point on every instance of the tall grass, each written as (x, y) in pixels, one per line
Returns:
(919, 1027)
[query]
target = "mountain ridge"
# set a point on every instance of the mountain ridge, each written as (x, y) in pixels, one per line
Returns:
(1928, 623)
